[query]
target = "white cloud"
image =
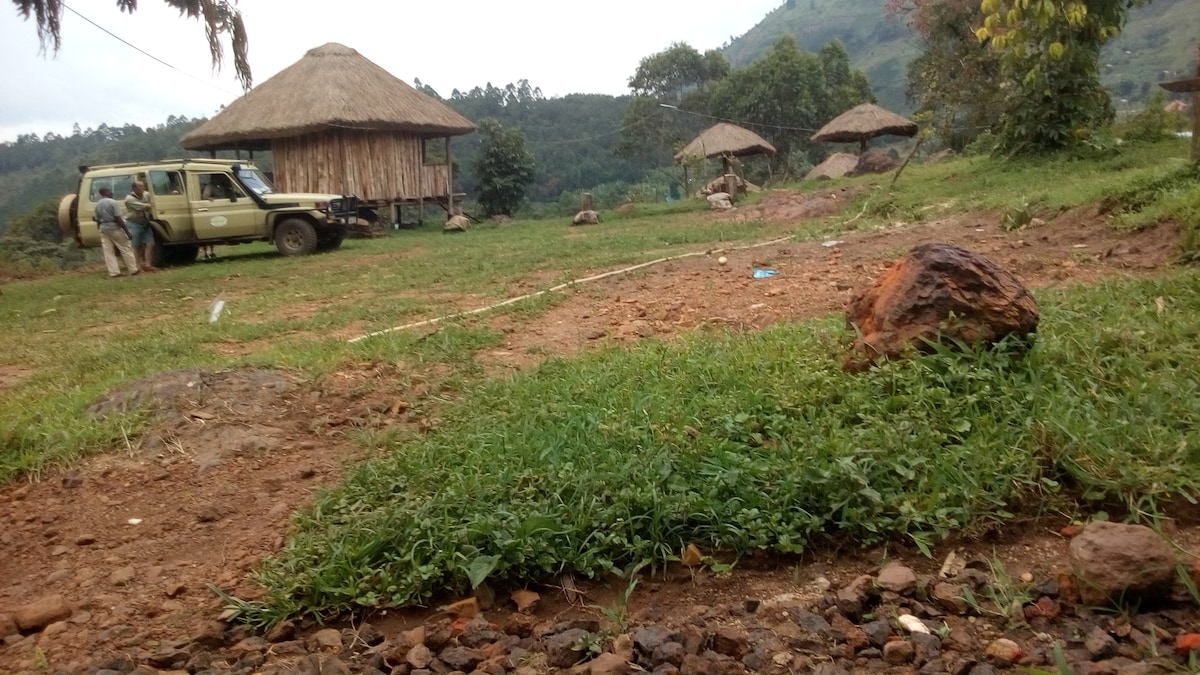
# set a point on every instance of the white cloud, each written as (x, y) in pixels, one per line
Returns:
(558, 46)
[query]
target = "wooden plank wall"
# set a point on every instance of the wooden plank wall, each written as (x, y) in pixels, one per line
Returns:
(381, 166)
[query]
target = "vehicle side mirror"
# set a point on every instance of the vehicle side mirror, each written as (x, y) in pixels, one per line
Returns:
(233, 198)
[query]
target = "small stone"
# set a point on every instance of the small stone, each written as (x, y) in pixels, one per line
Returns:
(927, 647)
(1117, 562)
(419, 656)
(669, 652)
(1027, 577)
(209, 513)
(85, 540)
(176, 590)
(8, 626)
(41, 613)
(730, 641)
(328, 640)
(608, 664)
(951, 598)
(898, 652)
(54, 629)
(72, 481)
(560, 648)
(1187, 643)
(462, 658)
(121, 576)
(897, 578)
(648, 638)
(281, 632)
(1099, 644)
(878, 632)
(852, 599)
(525, 600)
(622, 646)
(1003, 653)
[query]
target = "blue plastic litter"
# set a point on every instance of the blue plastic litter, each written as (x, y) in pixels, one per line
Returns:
(763, 274)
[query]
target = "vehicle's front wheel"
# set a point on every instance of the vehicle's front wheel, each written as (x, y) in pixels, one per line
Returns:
(332, 239)
(295, 237)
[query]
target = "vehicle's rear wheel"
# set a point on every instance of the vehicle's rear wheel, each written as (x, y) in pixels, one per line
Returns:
(182, 254)
(295, 237)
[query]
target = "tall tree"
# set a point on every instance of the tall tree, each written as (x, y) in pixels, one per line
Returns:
(954, 79)
(504, 168)
(677, 78)
(787, 94)
(1050, 66)
(220, 17)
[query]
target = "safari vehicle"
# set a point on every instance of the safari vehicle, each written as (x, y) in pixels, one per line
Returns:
(200, 202)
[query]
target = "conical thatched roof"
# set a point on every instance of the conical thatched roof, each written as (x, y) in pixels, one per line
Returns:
(863, 122)
(332, 87)
(725, 139)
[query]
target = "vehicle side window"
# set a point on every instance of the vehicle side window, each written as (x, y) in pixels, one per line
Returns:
(218, 186)
(121, 186)
(166, 183)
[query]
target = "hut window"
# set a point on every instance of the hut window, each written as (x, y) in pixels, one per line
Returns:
(433, 151)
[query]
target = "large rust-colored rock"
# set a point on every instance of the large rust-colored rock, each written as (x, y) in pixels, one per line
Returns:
(937, 290)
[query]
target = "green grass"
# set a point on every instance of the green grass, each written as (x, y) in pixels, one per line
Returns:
(758, 442)
(737, 443)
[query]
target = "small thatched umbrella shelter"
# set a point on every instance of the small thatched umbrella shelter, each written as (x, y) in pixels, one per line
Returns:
(725, 141)
(338, 123)
(862, 123)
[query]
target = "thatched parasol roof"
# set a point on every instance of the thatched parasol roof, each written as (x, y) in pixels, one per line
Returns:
(862, 123)
(724, 139)
(332, 87)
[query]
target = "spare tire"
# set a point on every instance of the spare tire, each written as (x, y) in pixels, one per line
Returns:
(68, 218)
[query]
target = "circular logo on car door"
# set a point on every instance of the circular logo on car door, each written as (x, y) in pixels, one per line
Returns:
(218, 221)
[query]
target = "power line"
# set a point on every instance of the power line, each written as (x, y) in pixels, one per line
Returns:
(733, 121)
(145, 53)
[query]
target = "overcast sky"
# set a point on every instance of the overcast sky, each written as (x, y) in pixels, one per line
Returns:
(563, 47)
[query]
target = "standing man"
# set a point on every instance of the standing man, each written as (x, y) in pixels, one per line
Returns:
(137, 219)
(114, 237)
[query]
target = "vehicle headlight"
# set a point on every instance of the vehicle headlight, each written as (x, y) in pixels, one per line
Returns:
(322, 205)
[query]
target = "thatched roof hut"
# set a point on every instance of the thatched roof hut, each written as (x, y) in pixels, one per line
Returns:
(725, 140)
(336, 122)
(862, 123)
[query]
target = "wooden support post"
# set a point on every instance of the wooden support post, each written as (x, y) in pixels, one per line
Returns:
(1192, 87)
(585, 202)
(449, 180)
(731, 186)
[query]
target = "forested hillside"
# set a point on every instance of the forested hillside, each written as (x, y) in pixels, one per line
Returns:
(1161, 36)
(34, 169)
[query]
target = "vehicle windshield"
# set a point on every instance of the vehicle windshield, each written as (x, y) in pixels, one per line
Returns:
(255, 181)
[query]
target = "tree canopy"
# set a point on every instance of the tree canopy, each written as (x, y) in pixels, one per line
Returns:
(504, 168)
(220, 18)
(1050, 66)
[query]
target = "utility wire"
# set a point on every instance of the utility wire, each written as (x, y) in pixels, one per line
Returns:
(145, 53)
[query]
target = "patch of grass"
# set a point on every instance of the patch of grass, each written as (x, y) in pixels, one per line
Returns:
(760, 442)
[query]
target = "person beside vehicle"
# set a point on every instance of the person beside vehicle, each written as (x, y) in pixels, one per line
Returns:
(218, 187)
(114, 236)
(137, 221)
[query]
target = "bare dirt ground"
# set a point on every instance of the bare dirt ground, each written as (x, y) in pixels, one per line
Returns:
(131, 538)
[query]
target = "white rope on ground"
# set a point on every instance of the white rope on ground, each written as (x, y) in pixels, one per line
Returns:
(555, 289)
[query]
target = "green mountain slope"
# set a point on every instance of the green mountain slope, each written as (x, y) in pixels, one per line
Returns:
(1159, 43)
